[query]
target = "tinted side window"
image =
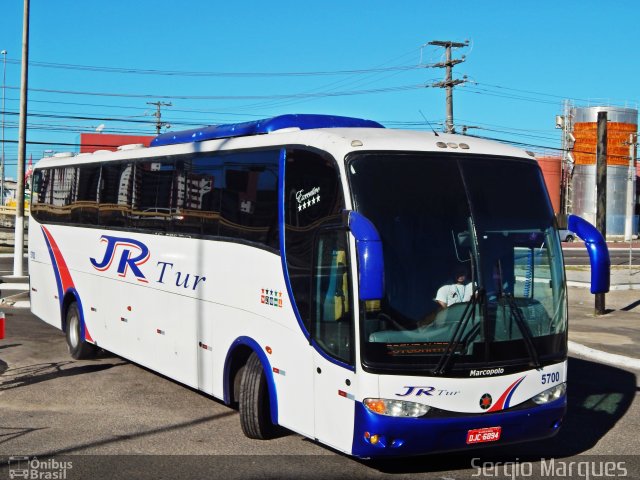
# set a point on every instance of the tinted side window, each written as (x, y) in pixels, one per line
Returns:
(231, 194)
(63, 193)
(41, 194)
(85, 206)
(154, 195)
(249, 194)
(198, 195)
(115, 194)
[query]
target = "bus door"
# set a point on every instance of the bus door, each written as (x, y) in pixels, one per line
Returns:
(318, 269)
(332, 333)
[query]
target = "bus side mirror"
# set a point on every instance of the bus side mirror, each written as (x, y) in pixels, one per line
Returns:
(370, 260)
(598, 252)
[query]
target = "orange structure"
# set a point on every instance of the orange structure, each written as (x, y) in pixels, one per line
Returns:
(586, 135)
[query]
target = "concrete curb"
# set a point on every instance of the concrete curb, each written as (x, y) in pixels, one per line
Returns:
(620, 286)
(20, 304)
(18, 287)
(604, 357)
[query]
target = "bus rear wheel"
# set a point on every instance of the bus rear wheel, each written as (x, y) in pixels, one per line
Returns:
(255, 410)
(79, 348)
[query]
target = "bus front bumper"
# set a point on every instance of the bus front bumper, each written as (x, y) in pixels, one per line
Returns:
(417, 436)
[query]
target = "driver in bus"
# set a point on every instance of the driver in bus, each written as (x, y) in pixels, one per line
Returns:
(458, 292)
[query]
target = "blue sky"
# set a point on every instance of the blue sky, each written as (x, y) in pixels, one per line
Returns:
(523, 59)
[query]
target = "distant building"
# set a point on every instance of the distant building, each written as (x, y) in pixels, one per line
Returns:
(91, 142)
(551, 170)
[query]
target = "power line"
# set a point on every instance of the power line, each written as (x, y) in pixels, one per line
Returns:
(231, 97)
(100, 119)
(183, 73)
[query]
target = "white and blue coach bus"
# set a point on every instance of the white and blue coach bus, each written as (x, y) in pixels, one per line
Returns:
(290, 267)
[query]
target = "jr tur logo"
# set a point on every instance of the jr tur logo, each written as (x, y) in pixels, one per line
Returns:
(132, 254)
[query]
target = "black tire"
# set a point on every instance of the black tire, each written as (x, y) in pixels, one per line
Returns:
(570, 238)
(79, 348)
(255, 410)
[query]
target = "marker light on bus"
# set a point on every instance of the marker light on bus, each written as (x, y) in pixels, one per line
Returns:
(550, 395)
(395, 408)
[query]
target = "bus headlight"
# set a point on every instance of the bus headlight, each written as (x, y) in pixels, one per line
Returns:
(395, 408)
(554, 393)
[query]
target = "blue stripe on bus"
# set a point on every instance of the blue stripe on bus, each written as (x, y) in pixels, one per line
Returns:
(54, 264)
(507, 401)
(62, 294)
(83, 332)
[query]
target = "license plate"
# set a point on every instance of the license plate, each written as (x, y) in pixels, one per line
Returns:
(482, 435)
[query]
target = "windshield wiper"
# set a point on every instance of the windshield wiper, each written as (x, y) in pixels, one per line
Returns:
(468, 314)
(527, 336)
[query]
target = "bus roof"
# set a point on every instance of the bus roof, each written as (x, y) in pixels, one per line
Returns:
(260, 127)
(337, 135)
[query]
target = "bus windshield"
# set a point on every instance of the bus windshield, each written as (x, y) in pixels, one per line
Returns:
(473, 264)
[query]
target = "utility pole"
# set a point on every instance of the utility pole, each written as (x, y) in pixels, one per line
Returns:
(631, 184)
(22, 142)
(158, 114)
(449, 82)
(4, 85)
(601, 193)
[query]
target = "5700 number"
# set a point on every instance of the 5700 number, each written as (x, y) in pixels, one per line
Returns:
(550, 378)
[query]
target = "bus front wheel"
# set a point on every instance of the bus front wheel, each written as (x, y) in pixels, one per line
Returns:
(79, 348)
(255, 411)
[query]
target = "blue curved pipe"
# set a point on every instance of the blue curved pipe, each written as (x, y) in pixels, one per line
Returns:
(598, 252)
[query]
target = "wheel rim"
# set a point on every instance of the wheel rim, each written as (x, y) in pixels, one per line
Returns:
(74, 331)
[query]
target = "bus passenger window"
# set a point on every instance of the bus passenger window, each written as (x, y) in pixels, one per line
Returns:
(64, 192)
(199, 196)
(154, 195)
(248, 204)
(41, 194)
(115, 194)
(84, 209)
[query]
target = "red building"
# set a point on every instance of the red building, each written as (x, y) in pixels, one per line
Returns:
(551, 170)
(90, 142)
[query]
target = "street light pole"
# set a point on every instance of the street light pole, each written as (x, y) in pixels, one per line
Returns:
(4, 83)
(22, 144)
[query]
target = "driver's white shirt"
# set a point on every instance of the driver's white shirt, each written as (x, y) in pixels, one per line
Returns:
(454, 293)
